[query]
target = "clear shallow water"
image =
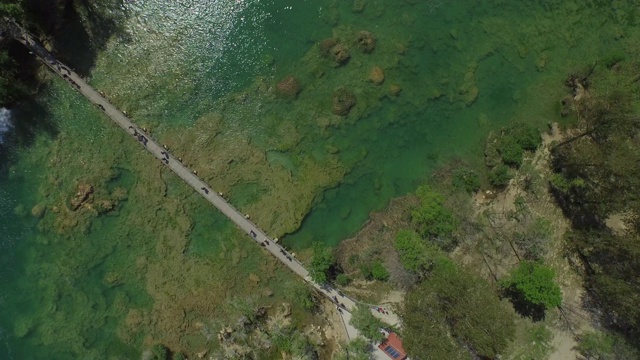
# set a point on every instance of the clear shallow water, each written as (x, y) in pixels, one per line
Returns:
(176, 62)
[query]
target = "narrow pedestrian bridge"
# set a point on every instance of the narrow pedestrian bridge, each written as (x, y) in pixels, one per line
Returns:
(162, 154)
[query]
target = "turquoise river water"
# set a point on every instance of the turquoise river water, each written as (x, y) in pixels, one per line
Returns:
(454, 70)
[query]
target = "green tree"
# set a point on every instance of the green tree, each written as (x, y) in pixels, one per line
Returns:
(357, 349)
(321, 263)
(526, 135)
(605, 346)
(369, 325)
(466, 179)
(511, 151)
(379, 272)
(11, 8)
(301, 294)
(416, 254)
(432, 218)
(160, 352)
(343, 279)
(597, 176)
(532, 288)
(452, 310)
(500, 176)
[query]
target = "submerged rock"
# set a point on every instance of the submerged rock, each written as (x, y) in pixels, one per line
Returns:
(339, 54)
(326, 45)
(394, 90)
(38, 210)
(84, 190)
(288, 88)
(366, 42)
(376, 75)
(358, 6)
(343, 101)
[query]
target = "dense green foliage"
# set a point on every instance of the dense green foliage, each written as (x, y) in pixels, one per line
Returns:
(603, 346)
(321, 263)
(343, 279)
(432, 219)
(160, 352)
(369, 325)
(500, 176)
(511, 151)
(451, 310)
(12, 8)
(532, 288)
(374, 271)
(515, 140)
(356, 349)
(301, 294)
(597, 176)
(295, 343)
(416, 254)
(466, 180)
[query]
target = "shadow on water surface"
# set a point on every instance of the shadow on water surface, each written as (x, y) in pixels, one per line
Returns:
(78, 32)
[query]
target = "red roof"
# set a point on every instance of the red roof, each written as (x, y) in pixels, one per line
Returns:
(392, 346)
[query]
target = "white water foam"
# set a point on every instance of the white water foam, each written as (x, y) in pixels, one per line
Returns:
(5, 122)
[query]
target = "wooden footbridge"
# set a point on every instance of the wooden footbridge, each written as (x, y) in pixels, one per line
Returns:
(164, 155)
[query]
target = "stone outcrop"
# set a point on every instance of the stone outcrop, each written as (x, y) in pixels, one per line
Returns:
(288, 88)
(358, 6)
(336, 51)
(343, 101)
(376, 75)
(326, 45)
(340, 55)
(394, 90)
(366, 42)
(82, 195)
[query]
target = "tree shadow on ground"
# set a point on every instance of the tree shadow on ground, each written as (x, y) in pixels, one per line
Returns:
(536, 312)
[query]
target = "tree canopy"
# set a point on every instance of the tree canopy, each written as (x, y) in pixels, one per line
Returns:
(532, 288)
(321, 263)
(369, 325)
(432, 219)
(356, 349)
(416, 254)
(596, 177)
(452, 310)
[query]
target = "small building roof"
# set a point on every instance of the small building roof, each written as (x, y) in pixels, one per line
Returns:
(392, 346)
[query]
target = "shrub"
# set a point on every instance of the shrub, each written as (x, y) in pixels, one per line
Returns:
(343, 280)
(379, 272)
(527, 136)
(160, 352)
(598, 345)
(511, 151)
(366, 323)
(466, 179)
(321, 263)
(532, 289)
(500, 176)
(417, 255)
(431, 218)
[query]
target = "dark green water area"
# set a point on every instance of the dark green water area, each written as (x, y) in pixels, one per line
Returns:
(144, 260)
